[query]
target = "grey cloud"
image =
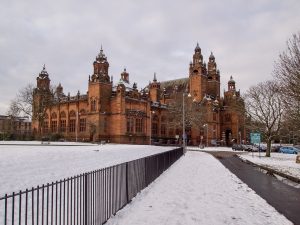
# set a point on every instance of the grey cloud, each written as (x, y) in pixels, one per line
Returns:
(145, 36)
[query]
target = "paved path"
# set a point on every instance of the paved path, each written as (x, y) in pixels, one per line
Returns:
(284, 198)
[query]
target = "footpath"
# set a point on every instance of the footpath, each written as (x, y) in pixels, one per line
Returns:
(198, 189)
(284, 198)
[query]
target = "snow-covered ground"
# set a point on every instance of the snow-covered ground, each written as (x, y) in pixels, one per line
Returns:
(198, 189)
(195, 148)
(26, 166)
(284, 163)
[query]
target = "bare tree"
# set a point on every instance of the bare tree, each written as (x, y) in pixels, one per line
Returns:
(265, 107)
(287, 72)
(194, 112)
(33, 103)
(23, 102)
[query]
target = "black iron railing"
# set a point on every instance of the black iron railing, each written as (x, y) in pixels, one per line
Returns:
(87, 199)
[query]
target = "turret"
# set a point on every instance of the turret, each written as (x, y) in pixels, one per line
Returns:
(43, 81)
(101, 66)
(231, 84)
(125, 76)
(154, 89)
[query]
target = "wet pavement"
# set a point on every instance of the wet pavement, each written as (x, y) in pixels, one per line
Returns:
(284, 198)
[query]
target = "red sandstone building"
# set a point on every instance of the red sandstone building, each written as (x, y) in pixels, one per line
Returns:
(120, 113)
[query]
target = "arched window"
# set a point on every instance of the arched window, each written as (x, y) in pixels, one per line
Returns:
(46, 123)
(93, 105)
(139, 124)
(62, 114)
(63, 122)
(155, 125)
(163, 127)
(53, 116)
(72, 121)
(53, 122)
(130, 124)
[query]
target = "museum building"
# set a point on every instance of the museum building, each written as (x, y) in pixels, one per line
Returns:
(120, 113)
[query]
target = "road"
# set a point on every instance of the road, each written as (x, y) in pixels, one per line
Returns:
(284, 198)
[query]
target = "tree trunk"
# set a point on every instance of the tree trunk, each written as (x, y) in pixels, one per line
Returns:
(268, 151)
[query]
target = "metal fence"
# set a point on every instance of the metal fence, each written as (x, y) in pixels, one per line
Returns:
(87, 199)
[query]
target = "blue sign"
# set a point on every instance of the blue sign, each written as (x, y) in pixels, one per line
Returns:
(255, 138)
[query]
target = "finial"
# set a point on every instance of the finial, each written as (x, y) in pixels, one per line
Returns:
(154, 78)
(101, 48)
(124, 69)
(44, 67)
(197, 47)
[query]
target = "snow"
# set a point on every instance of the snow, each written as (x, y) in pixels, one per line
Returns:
(25, 166)
(208, 149)
(284, 163)
(198, 189)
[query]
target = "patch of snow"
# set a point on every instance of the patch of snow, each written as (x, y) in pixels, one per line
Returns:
(26, 166)
(284, 163)
(198, 189)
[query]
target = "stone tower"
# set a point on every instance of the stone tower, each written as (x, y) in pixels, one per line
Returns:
(99, 88)
(213, 77)
(197, 75)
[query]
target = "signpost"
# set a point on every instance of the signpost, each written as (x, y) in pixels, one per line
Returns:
(255, 139)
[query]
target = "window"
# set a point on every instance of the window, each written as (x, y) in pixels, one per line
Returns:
(163, 129)
(155, 125)
(63, 125)
(139, 125)
(54, 126)
(93, 105)
(82, 124)
(46, 127)
(130, 124)
(72, 125)
(171, 132)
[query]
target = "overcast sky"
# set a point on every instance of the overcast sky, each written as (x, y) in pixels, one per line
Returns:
(145, 36)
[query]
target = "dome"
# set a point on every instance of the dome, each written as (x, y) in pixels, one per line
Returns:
(231, 80)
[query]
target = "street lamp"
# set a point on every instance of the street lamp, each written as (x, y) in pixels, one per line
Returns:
(151, 125)
(206, 125)
(184, 137)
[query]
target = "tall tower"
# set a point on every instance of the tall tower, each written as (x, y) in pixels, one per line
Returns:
(100, 87)
(42, 99)
(213, 77)
(197, 75)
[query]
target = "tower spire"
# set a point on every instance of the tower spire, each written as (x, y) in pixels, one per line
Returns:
(154, 77)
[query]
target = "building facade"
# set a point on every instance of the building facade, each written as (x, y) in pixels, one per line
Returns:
(120, 113)
(15, 127)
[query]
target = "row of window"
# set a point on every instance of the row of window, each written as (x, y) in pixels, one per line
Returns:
(136, 125)
(63, 125)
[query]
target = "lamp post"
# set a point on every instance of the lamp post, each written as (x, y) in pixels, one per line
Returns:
(206, 125)
(76, 127)
(150, 126)
(184, 136)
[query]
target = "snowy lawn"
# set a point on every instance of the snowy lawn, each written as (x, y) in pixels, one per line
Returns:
(198, 189)
(25, 166)
(284, 163)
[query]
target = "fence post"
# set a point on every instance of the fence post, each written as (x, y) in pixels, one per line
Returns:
(5, 210)
(127, 191)
(85, 198)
